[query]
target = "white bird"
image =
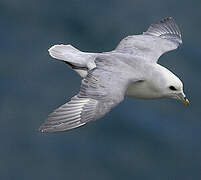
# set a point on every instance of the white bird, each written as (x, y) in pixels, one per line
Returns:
(131, 69)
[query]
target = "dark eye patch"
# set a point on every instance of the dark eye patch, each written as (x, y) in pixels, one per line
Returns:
(172, 88)
(140, 81)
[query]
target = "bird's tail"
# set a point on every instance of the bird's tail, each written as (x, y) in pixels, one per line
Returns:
(80, 61)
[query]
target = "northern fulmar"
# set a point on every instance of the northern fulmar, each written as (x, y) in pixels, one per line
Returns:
(131, 69)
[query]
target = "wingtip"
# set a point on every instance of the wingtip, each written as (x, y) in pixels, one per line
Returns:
(166, 29)
(54, 129)
(44, 129)
(41, 129)
(166, 19)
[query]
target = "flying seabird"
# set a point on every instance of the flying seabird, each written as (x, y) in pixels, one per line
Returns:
(129, 70)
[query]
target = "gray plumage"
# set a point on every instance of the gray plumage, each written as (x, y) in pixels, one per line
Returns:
(108, 77)
(158, 39)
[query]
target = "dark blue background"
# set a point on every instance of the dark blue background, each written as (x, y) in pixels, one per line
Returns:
(145, 140)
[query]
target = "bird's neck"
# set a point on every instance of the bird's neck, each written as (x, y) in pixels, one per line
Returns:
(149, 88)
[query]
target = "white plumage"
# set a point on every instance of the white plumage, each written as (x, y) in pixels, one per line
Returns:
(131, 69)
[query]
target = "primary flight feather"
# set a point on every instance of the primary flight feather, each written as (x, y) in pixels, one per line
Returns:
(131, 69)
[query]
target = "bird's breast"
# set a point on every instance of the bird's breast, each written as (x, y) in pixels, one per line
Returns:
(142, 90)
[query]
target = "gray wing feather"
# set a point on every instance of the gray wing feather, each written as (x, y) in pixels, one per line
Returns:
(70, 115)
(101, 90)
(160, 37)
(166, 29)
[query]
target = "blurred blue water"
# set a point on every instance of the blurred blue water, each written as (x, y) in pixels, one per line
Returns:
(158, 139)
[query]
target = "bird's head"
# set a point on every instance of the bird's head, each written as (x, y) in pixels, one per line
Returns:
(172, 87)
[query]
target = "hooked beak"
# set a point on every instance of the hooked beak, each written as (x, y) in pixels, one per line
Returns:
(183, 99)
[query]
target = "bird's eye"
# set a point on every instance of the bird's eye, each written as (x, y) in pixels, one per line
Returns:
(172, 88)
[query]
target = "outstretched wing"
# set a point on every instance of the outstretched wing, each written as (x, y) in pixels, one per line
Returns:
(160, 37)
(103, 88)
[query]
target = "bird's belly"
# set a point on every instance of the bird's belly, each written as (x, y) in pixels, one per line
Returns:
(142, 90)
